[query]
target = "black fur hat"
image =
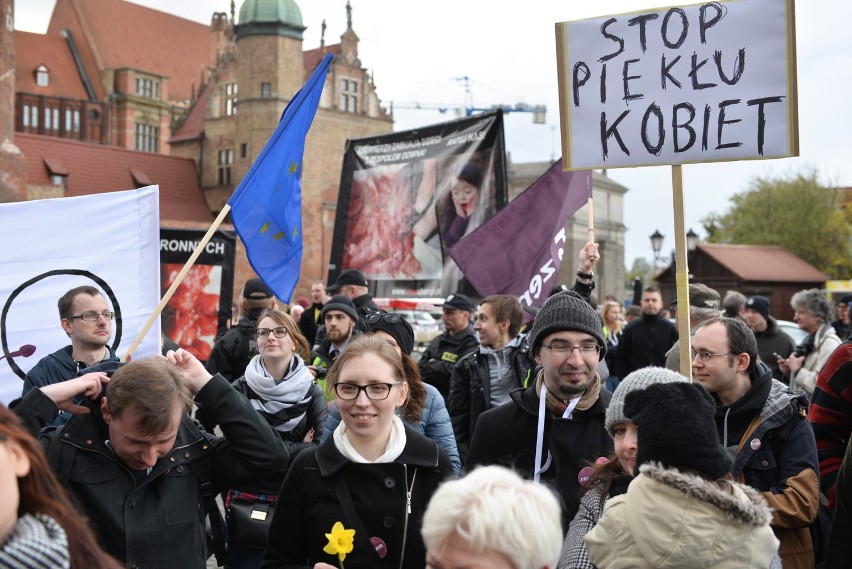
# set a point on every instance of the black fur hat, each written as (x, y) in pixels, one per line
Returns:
(677, 429)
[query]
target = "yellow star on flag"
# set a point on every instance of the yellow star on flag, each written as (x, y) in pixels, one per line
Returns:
(278, 236)
(264, 228)
(293, 168)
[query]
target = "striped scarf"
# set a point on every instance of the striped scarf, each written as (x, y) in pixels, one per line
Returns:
(37, 542)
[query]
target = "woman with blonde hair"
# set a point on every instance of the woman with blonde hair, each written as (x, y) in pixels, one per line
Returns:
(613, 327)
(39, 527)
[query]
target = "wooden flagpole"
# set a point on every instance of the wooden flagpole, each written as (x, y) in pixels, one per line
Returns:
(178, 279)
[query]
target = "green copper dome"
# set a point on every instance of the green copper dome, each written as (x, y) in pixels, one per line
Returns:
(266, 17)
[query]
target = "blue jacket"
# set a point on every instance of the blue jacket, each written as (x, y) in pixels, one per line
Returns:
(434, 423)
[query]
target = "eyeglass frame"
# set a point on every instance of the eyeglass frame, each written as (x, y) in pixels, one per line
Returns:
(84, 315)
(257, 332)
(569, 348)
(706, 356)
(364, 388)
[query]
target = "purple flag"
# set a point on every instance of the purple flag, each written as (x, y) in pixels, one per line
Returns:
(518, 251)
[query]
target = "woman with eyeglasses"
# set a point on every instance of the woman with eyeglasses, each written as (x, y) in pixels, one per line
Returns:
(280, 387)
(374, 475)
(424, 409)
(39, 526)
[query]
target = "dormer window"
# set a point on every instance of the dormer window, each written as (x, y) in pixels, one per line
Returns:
(42, 76)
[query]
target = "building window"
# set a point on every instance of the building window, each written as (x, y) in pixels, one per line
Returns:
(72, 120)
(26, 116)
(230, 99)
(265, 90)
(243, 150)
(42, 76)
(349, 96)
(226, 160)
(148, 88)
(58, 180)
(34, 116)
(51, 118)
(147, 138)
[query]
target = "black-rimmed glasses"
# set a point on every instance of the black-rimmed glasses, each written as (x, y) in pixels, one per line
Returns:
(279, 332)
(374, 391)
(92, 316)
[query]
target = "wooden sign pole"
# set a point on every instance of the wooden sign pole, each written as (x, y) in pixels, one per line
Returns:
(682, 273)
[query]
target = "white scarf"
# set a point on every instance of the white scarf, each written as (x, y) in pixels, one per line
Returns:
(36, 542)
(396, 443)
(277, 397)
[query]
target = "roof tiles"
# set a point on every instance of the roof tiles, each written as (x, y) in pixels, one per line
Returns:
(97, 169)
(762, 263)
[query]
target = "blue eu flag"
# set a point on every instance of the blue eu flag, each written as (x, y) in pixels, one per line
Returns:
(266, 208)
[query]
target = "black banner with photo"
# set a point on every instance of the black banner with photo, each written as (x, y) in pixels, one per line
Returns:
(200, 309)
(407, 197)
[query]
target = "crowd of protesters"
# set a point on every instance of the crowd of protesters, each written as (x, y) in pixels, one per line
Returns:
(313, 439)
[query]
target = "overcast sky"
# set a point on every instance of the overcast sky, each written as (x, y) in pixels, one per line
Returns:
(418, 51)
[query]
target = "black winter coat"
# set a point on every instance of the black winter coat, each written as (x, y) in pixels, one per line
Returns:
(233, 351)
(437, 362)
(308, 506)
(157, 522)
(644, 343)
(506, 435)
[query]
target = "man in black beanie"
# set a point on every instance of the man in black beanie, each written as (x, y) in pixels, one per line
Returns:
(772, 342)
(340, 318)
(550, 430)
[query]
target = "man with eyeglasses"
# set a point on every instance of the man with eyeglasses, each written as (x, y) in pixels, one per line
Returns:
(87, 319)
(551, 430)
(762, 424)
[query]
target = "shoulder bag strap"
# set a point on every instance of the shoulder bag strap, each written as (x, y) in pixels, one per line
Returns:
(361, 535)
(217, 526)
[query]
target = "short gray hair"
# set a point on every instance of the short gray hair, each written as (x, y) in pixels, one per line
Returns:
(813, 300)
(487, 507)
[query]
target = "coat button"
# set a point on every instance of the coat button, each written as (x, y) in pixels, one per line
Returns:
(388, 522)
(765, 463)
(390, 482)
(130, 505)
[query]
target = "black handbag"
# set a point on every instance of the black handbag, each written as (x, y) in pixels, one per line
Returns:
(248, 523)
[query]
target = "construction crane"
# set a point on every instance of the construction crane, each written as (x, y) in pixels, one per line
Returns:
(539, 111)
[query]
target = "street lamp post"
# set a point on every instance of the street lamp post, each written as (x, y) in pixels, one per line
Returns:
(657, 246)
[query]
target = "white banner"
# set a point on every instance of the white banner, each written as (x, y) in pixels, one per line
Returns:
(698, 83)
(109, 241)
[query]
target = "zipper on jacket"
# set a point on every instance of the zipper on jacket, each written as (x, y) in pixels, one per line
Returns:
(408, 490)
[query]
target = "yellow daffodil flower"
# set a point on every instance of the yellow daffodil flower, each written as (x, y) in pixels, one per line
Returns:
(341, 541)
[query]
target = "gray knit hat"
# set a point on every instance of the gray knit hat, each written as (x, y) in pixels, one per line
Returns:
(341, 303)
(566, 311)
(636, 381)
